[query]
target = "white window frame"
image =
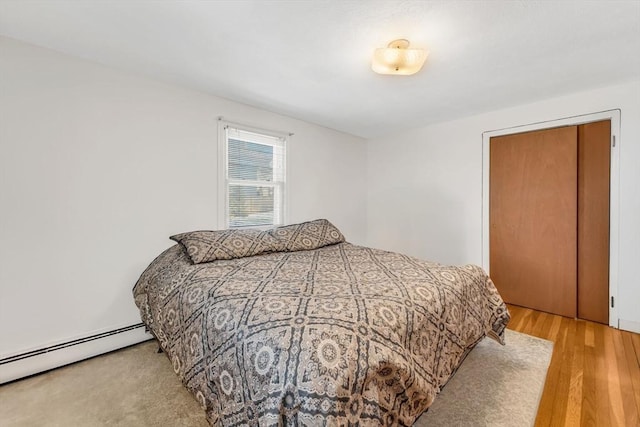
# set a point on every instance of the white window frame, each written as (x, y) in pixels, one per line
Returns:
(280, 142)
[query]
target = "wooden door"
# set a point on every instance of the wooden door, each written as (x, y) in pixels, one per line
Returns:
(594, 159)
(533, 218)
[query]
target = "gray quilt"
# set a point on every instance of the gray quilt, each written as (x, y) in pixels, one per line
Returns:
(341, 335)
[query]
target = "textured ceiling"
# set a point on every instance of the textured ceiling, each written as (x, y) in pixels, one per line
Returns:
(311, 59)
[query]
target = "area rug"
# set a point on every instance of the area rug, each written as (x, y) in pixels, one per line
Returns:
(495, 386)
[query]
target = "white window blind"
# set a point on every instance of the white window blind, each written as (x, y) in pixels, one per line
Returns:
(254, 177)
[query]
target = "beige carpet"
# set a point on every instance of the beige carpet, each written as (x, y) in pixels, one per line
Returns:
(495, 386)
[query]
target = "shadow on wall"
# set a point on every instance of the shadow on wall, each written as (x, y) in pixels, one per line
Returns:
(421, 222)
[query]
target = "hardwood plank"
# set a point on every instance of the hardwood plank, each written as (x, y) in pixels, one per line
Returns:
(589, 339)
(602, 383)
(527, 321)
(587, 412)
(545, 408)
(531, 324)
(543, 325)
(574, 400)
(594, 374)
(516, 317)
(629, 408)
(520, 316)
(555, 328)
(636, 345)
(616, 409)
(634, 366)
(563, 392)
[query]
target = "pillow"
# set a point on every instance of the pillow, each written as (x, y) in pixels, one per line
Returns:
(207, 246)
(307, 235)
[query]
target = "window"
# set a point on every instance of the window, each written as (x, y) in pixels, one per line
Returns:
(252, 177)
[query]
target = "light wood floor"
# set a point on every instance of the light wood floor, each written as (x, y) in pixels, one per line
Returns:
(594, 376)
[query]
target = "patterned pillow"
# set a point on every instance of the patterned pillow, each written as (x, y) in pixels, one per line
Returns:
(207, 246)
(307, 235)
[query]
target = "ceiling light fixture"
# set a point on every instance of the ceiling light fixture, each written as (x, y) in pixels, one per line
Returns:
(398, 58)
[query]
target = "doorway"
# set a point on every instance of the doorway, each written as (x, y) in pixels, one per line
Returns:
(549, 240)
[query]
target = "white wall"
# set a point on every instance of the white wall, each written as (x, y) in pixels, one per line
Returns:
(99, 167)
(425, 186)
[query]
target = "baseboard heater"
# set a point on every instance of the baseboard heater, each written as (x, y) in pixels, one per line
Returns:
(46, 358)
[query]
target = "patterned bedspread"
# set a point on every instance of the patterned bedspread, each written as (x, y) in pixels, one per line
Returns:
(333, 336)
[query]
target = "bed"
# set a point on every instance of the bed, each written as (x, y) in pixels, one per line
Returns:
(295, 326)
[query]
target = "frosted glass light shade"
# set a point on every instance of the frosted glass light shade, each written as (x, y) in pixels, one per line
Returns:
(398, 58)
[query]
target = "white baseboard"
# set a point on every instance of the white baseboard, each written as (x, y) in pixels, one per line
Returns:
(629, 325)
(36, 361)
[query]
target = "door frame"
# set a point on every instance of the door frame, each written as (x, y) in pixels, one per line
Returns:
(614, 187)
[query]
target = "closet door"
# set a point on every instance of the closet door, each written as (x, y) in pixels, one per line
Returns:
(594, 159)
(533, 218)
